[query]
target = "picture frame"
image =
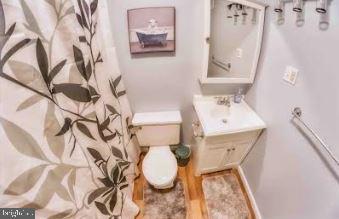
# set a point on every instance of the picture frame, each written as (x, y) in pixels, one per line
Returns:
(151, 29)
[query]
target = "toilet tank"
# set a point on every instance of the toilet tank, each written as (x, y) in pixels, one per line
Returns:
(158, 128)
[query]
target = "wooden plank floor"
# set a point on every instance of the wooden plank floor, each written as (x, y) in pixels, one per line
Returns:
(195, 201)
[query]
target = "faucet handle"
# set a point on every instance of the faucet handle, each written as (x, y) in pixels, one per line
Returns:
(220, 100)
(223, 100)
(227, 101)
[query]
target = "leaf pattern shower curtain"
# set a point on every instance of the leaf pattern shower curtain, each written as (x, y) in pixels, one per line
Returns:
(67, 146)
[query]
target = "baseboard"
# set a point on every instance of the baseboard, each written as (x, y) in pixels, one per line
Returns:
(249, 192)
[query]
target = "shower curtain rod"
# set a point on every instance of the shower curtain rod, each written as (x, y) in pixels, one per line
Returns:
(297, 115)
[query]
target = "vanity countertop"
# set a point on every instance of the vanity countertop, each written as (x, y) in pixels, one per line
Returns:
(220, 119)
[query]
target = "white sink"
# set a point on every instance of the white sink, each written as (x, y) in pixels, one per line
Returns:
(218, 112)
(219, 119)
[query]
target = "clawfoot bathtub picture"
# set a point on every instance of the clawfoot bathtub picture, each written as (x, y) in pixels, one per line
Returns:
(151, 29)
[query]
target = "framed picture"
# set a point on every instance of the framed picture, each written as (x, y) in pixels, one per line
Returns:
(151, 29)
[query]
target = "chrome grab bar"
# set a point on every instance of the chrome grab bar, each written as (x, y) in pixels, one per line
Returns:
(297, 112)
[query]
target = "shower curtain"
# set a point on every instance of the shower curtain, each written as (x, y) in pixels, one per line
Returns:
(67, 143)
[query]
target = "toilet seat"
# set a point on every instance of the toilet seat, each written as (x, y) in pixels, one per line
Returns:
(160, 166)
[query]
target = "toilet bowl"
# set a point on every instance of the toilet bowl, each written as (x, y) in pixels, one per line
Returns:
(158, 130)
(160, 167)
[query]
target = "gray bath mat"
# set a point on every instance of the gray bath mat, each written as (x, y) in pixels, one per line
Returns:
(163, 204)
(224, 199)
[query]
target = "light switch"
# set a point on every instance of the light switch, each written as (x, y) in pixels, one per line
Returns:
(239, 52)
(291, 75)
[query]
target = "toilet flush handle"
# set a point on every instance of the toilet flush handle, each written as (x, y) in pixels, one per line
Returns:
(134, 129)
(196, 130)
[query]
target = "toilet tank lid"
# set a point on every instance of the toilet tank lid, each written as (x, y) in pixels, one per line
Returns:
(157, 118)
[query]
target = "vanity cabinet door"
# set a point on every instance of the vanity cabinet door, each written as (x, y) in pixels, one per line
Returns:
(228, 157)
(238, 151)
(213, 157)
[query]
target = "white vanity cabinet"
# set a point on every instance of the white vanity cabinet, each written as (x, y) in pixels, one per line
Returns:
(223, 134)
(217, 153)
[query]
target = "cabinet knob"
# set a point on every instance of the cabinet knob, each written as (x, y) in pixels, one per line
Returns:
(228, 150)
(233, 149)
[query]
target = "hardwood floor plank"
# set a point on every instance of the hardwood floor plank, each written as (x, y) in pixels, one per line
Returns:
(194, 192)
(140, 204)
(138, 184)
(195, 210)
(182, 176)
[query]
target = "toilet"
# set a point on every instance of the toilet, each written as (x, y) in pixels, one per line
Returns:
(158, 130)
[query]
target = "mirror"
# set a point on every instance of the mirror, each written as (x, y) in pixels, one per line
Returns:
(233, 30)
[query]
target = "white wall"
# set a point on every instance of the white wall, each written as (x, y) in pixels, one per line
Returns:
(287, 174)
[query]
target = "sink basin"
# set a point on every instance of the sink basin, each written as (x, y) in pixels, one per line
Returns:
(219, 119)
(218, 111)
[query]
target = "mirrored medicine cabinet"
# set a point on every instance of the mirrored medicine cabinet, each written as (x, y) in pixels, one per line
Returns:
(233, 38)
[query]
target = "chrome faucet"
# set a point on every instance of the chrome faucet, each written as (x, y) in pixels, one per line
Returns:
(223, 101)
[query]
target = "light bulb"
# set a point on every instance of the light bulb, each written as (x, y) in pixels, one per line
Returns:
(236, 15)
(279, 6)
(297, 5)
(229, 11)
(244, 12)
(244, 15)
(321, 6)
(254, 16)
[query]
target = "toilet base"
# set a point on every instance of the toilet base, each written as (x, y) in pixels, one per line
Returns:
(168, 186)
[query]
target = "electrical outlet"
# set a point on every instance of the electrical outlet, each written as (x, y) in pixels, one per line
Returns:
(239, 52)
(291, 75)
